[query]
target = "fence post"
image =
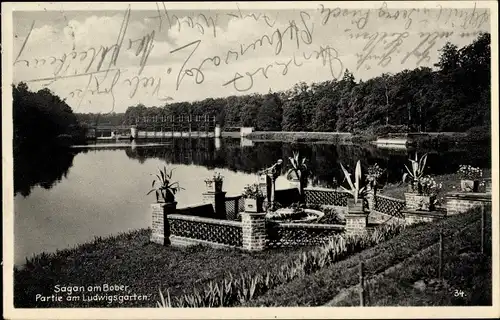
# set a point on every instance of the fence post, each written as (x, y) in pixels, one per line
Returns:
(361, 285)
(440, 267)
(160, 228)
(483, 222)
(254, 231)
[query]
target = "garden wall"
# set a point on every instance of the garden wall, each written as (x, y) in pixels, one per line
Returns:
(252, 231)
(458, 202)
(186, 230)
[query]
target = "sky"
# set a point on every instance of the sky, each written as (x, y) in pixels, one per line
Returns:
(105, 61)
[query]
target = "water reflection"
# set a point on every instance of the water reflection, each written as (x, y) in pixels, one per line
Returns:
(46, 167)
(43, 167)
(324, 159)
(66, 197)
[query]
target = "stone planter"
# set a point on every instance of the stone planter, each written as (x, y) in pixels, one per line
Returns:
(294, 183)
(469, 185)
(213, 186)
(355, 207)
(254, 205)
(415, 201)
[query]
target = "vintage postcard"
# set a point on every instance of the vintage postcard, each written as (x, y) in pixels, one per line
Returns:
(250, 160)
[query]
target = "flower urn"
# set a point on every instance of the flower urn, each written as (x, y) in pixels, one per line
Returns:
(254, 204)
(213, 185)
(469, 185)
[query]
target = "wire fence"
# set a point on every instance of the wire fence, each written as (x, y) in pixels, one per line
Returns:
(444, 263)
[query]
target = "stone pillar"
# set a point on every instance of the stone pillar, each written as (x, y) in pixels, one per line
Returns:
(217, 143)
(218, 202)
(370, 197)
(160, 230)
(254, 231)
(356, 223)
(217, 131)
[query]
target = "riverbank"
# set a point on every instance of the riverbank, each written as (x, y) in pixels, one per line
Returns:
(129, 259)
(302, 136)
(427, 139)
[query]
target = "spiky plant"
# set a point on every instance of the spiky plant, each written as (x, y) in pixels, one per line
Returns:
(417, 170)
(356, 189)
(299, 170)
(166, 189)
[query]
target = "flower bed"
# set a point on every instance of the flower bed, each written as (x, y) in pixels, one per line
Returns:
(295, 215)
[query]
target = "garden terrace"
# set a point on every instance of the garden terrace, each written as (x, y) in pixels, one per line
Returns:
(396, 265)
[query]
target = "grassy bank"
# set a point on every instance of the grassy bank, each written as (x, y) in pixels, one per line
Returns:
(404, 261)
(430, 140)
(288, 136)
(131, 260)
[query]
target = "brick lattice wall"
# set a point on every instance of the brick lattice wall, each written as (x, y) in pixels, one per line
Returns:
(389, 206)
(299, 234)
(326, 197)
(205, 229)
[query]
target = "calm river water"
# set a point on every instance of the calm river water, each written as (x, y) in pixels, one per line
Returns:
(67, 197)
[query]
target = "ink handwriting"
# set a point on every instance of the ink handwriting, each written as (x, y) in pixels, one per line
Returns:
(289, 44)
(328, 55)
(301, 35)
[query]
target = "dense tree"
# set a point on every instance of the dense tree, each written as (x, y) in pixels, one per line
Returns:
(292, 116)
(324, 118)
(270, 114)
(453, 97)
(41, 117)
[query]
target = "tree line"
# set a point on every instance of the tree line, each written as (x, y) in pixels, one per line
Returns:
(454, 97)
(42, 118)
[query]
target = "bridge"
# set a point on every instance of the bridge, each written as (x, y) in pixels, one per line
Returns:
(153, 127)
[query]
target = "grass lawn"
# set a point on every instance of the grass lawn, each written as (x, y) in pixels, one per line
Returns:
(131, 260)
(407, 261)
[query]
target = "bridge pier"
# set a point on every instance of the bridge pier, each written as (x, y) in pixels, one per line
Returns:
(133, 132)
(217, 131)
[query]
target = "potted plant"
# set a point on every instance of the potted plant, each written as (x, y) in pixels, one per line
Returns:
(298, 172)
(426, 199)
(163, 187)
(374, 173)
(417, 198)
(416, 172)
(356, 190)
(253, 198)
(470, 178)
(214, 184)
